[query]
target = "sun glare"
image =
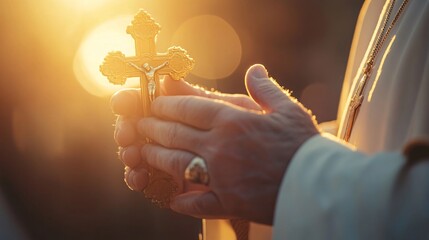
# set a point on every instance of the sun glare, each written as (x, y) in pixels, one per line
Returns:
(109, 36)
(210, 40)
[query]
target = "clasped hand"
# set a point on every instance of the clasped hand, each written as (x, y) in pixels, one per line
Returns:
(246, 141)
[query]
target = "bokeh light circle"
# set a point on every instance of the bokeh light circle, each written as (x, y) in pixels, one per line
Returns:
(107, 37)
(316, 97)
(213, 43)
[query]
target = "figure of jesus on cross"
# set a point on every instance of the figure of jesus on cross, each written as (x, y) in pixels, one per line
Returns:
(151, 77)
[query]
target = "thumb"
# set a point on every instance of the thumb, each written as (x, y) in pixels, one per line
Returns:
(265, 90)
(198, 204)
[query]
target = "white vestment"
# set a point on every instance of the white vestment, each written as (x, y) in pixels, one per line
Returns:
(335, 191)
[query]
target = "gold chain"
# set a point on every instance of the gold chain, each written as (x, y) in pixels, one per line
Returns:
(357, 99)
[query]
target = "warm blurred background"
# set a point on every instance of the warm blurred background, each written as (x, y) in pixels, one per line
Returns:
(59, 172)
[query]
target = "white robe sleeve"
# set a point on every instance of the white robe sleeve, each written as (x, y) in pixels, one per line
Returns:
(331, 191)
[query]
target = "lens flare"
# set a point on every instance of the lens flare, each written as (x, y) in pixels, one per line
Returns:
(213, 43)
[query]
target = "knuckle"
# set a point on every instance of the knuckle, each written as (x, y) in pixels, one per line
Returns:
(246, 102)
(231, 122)
(219, 111)
(223, 116)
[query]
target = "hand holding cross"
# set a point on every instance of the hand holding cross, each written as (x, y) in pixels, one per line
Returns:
(175, 62)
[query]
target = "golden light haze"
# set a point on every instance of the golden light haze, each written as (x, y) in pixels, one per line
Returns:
(58, 163)
(211, 41)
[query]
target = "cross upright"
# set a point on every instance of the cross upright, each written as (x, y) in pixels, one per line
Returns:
(148, 65)
(175, 62)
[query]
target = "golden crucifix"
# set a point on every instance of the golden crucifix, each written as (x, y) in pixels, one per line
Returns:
(148, 65)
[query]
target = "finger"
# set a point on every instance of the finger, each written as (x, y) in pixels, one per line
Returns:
(125, 132)
(171, 161)
(198, 204)
(240, 100)
(171, 134)
(137, 179)
(173, 87)
(264, 90)
(130, 156)
(195, 111)
(126, 102)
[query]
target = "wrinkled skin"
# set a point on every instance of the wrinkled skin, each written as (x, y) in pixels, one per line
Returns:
(247, 142)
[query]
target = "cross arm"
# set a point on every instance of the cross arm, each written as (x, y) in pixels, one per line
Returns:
(117, 69)
(179, 63)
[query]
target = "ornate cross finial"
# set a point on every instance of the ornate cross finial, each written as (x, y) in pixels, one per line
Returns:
(148, 65)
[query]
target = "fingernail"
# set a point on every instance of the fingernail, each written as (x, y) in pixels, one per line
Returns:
(133, 179)
(123, 102)
(140, 179)
(258, 71)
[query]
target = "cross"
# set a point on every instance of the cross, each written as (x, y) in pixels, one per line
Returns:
(148, 65)
(355, 104)
(117, 67)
